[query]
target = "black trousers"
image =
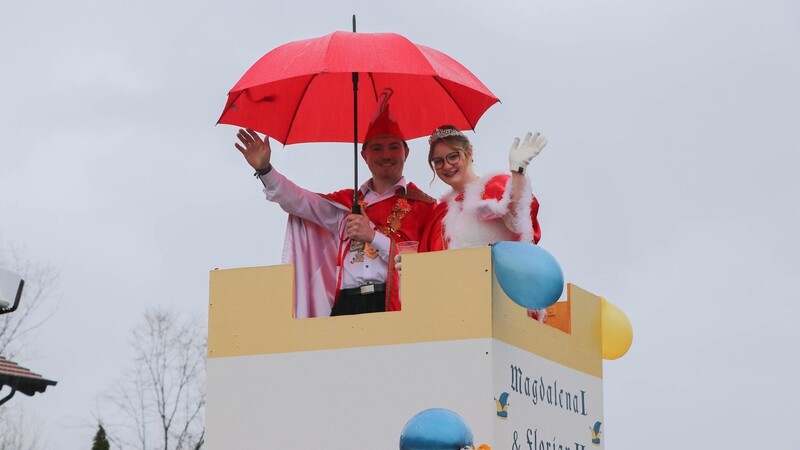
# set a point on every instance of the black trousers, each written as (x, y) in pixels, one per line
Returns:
(359, 303)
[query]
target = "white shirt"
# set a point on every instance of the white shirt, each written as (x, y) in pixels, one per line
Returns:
(356, 271)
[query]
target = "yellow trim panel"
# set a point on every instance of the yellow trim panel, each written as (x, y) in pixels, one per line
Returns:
(449, 295)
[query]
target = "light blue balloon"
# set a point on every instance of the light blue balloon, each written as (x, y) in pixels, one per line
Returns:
(435, 429)
(528, 274)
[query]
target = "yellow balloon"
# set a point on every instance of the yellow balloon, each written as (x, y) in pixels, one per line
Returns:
(616, 330)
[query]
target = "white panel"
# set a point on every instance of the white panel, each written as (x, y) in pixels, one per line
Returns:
(357, 398)
(550, 405)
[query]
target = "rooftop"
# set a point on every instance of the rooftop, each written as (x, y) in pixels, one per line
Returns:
(21, 379)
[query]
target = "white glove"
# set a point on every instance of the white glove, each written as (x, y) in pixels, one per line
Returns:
(521, 155)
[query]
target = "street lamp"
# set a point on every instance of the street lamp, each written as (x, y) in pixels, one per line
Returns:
(11, 285)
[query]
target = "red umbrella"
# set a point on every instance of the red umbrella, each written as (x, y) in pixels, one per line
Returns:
(303, 91)
(311, 90)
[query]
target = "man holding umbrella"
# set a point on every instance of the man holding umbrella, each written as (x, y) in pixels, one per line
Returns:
(344, 262)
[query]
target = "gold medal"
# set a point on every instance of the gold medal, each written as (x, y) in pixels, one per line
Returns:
(370, 252)
(395, 223)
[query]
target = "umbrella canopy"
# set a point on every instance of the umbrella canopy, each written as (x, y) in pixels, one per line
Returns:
(303, 91)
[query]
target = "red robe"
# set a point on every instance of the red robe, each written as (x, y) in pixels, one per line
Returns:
(487, 201)
(411, 211)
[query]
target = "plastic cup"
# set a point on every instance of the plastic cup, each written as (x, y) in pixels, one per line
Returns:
(407, 247)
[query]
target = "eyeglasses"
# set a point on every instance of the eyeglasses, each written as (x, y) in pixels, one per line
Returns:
(451, 158)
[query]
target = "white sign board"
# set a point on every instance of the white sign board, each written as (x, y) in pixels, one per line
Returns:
(543, 405)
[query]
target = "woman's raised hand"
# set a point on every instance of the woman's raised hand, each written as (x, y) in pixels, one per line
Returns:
(521, 155)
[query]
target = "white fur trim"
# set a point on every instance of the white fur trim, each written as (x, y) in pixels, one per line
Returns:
(522, 216)
(476, 221)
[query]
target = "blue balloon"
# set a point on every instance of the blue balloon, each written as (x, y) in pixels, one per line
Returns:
(435, 429)
(528, 274)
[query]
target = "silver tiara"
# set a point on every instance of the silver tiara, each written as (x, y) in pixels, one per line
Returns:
(440, 133)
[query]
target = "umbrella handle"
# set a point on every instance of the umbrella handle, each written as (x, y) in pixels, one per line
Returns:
(356, 207)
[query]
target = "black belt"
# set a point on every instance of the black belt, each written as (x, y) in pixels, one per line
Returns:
(364, 290)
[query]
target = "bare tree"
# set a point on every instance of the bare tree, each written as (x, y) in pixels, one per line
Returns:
(40, 284)
(18, 431)
(161, 398)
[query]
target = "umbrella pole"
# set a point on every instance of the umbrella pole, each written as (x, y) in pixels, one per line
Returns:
(356, 206)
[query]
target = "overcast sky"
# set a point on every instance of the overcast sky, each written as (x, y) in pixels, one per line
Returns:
(668, 186)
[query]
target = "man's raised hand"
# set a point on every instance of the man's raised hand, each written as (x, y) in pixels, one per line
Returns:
(254, 149)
